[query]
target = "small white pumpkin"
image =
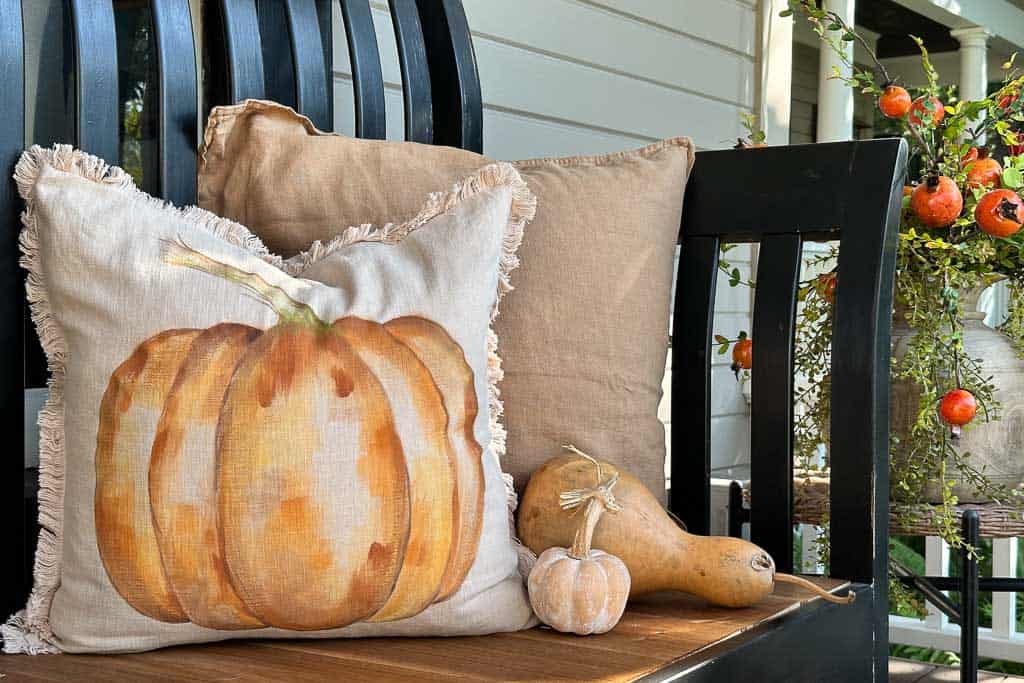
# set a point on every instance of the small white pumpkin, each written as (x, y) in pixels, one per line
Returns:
(577, 589)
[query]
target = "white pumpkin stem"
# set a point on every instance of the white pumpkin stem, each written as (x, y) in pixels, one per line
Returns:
(574, 498)
(177, 253)
(580, 549)
(598, 499)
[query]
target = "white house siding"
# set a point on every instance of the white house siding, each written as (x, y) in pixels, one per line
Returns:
(563, 77)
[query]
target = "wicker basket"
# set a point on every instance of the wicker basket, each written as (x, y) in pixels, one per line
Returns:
(810, 506)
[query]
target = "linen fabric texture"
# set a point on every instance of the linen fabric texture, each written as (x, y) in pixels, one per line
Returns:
(232, 449)
(585, 336)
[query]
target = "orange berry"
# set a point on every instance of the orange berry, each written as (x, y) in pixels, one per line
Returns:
(894, 102)
(984, 171)
(933, 110)
(958, 407)
(742, 355)
(827, 286)
(937, 203)
(1000, 213)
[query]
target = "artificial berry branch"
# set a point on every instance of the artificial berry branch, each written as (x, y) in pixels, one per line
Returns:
(817, 16)
(961, 228)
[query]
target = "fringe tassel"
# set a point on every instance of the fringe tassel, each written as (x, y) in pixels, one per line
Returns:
(18, 638)
(29, 630)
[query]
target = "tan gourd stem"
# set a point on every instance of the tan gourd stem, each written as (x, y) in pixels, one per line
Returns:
(580, 549)
(178, 253)
(816, 589)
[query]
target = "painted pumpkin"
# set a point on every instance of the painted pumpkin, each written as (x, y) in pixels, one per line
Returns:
(583, 594)
(307, 476)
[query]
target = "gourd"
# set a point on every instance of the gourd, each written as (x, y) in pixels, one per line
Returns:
(728, 572)
(306, 476)
(577, 589)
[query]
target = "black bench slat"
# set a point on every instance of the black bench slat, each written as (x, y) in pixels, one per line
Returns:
(307, 57)
(456, 100)
(367, 80)
(12, 140)
(325, 19)
(244, 58)
(416, 82)
(96, 97)
(274, 38)
(859, 443)
(771, 421)
(177, 101)
(690, 495)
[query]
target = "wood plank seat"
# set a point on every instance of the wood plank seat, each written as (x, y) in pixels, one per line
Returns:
(659, 631)
(779, 197)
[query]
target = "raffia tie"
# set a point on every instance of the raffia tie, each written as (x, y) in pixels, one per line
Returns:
(575, 498)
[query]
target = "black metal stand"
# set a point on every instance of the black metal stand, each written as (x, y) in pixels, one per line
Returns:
(968, 584)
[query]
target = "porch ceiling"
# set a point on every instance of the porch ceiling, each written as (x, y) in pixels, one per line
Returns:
(1003, 18)
(894, 24)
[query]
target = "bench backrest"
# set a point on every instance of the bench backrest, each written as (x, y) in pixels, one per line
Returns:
(281, 49)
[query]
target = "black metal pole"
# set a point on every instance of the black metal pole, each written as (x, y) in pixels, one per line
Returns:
(969, 601)
(993, 584)
(735, 509)
(930, 591)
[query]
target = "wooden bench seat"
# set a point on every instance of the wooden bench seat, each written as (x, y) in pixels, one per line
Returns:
(657, 631)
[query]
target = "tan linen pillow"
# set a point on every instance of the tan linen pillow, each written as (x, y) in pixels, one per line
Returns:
(583, 339)
(233, 451)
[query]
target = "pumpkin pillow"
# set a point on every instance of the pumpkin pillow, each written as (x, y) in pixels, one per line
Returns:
(585, 337)
(233, 450)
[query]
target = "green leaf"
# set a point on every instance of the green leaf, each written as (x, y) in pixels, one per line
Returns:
(723, 349)
(972, 110)
(786, 13)
(1013, 178)
(742, 334)
(721, 340)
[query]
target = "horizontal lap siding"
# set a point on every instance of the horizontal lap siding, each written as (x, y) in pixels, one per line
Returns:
(606, 73)
(564, 77)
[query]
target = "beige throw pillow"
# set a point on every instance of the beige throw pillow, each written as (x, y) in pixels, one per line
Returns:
(583, 339)
(233, 450)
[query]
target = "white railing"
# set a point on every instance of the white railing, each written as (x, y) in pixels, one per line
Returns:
(1001, 641)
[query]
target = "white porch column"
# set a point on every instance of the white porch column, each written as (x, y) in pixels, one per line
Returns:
(973, 62)
(835, 98)
(775, 82)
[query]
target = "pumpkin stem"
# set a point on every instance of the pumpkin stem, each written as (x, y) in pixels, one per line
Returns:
(580, 549)
(177, 253)
(816, 589)
(574, 498)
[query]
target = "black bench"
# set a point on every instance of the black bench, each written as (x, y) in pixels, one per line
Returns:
(779, 197)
